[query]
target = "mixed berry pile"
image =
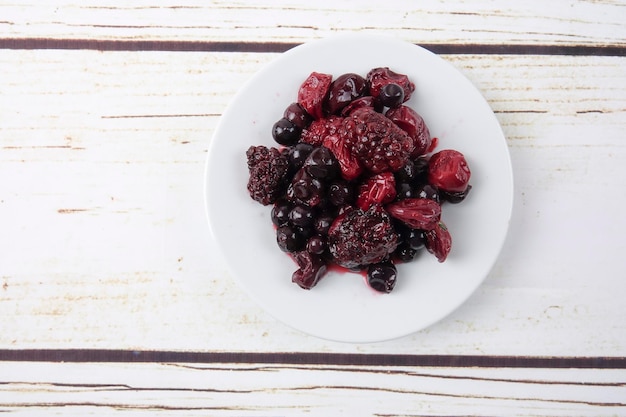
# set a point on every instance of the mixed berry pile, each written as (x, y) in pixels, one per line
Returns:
(353, 180)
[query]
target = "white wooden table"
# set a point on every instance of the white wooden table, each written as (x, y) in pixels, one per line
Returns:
(113, 299)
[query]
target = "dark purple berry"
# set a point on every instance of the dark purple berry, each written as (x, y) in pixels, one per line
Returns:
(322, 164)
(323, 223)
(285, 132)
(404, 190)
(289, 240)
(316, 245)
(382, 276)
(405, 253)
(341, 193)
(297, 115)
(280, 213)
(415, 238)
(304, 232)
(455, 197)
(305, 189)
(298, 154)
(421, 169)
(427, 191)
(301, 215)
(391, 95)
(407, 173)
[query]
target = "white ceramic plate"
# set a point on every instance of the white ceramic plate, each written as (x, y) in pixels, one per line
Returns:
(342, 307)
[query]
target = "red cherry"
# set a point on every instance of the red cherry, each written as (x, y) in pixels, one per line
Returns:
(439, 241)
(313, 93)
(413, 124)
(377, 189)
(418, 213)
(449, 171)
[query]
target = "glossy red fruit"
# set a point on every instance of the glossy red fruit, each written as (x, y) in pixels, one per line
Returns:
(350, 166)
(366, 101)
(377, 78)
(376, 189)
(439, 241)
(448, 170)
(417, 213)
(413, 124)
(313, 92)
(343, 90)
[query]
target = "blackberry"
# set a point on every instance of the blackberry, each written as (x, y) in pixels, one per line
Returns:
(359, 238)
(267, 168)
(376, 141)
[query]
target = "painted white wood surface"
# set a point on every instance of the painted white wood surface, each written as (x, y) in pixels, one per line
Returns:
(105, 244)
(173, 389)
(459, 22)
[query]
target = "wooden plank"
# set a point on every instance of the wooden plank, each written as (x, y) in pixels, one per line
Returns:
(273, 390)
(302, 358)
(532, 22)
(105, 245)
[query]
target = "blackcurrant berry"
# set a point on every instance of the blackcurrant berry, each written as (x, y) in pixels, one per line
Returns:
(382, 276)
(285, 132)
(391, 95)
(404, 190)
(302, 216)
(341, 193)
(280, 213)
(405, 253)
(289, 240)
(298, 154)
(427, 191)
(297, 115)
(323, 223)
(322, 164)
(316, 245)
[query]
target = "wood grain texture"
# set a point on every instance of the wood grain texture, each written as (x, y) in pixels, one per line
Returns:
(461, 22)
(174, 389)
(113, 298)
(105, 244)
